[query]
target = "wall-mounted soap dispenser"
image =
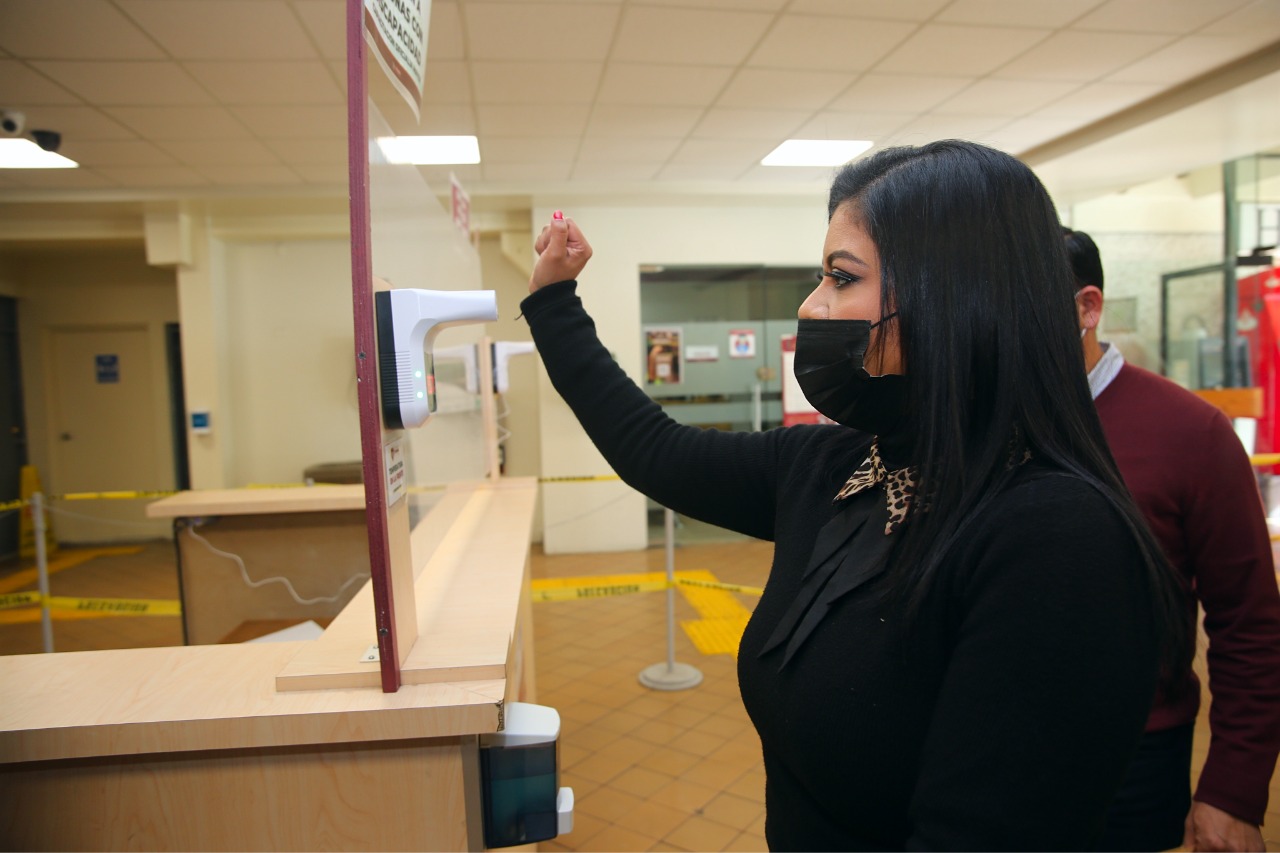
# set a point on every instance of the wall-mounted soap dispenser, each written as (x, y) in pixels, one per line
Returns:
(520, 777)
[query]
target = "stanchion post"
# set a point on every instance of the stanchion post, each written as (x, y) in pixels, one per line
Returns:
(670, 675)
(42, 569)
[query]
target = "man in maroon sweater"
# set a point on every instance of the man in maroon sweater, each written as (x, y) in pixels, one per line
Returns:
(1190, 475)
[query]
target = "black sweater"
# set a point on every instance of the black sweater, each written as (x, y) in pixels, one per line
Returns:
(1001, 717)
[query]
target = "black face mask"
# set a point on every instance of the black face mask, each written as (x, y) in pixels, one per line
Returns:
(829, 367)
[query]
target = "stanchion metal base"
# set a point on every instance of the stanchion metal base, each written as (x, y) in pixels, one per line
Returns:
(678, 676)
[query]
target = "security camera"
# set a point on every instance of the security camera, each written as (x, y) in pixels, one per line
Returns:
(12, 123)
(49, 140)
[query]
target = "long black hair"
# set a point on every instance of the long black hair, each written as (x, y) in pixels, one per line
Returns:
(973, 263)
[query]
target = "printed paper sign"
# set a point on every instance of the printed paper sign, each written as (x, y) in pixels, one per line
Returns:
(397, 32)
(701, 352)
(742, 343)
(663, 359)
(107, 368)
(395, 467)
(460, 204)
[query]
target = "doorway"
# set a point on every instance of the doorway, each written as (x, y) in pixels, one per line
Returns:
(107, 431)
(13, 433)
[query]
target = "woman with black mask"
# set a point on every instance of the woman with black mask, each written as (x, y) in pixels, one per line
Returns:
(966, 617)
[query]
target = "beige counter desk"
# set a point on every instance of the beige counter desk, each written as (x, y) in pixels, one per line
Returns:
(230, 747)
(313, 536)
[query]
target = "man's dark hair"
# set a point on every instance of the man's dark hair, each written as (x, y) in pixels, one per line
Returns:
(1085, 260)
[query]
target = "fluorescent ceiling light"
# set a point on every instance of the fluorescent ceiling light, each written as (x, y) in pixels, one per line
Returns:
(430, 150)
(25, 154)
(816, 152)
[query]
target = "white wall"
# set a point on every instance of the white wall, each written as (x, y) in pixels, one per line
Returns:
(609, 516)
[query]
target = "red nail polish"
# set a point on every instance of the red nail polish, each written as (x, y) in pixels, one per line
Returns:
(557, 215)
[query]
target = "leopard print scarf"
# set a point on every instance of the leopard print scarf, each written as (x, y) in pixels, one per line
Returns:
(899, 486)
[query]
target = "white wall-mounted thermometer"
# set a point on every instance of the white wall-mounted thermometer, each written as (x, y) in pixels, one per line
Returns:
(408, 321)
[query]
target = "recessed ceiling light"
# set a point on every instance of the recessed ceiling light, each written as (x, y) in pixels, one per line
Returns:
(816, 152)
(430, 150)
(25, 154)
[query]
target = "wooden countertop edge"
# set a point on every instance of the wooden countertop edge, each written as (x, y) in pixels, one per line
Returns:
(258, 501)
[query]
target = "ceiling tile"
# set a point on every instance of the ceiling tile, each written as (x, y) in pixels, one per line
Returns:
(961, 51)
(71, 29)
(730, 5)
(687, 36)
(797, 90)
(526, 150)
(1025, 133)
(227, 29)
(529, 120)
(525, 172)
(840, 125)
(126, 83)
(222, 152)
(1156, 16)
(661, 85)
(1016, 13)
(613, 172)
(524, 30)
(600, 150)
(897, 10)
(153, 177)
(446, 82)
(59, 179)
(181, 122)
(642, 121)
(1098, 100)
(720, 171)
(438, 176)
(1013, 98)
(813, 43)
(267, 82)
(930, 128)
(697, 152)
(308, 152)
(77, 123)
(732, 123)
(322, 174)
(250, 176)
(1082, 57)
(130, 152)
(447, 120)
(444, 33)
(1189, 57)
(21, 86)
(284, 122)
(1259, 16)
(326, 23)
(535, 82)
(904, 93)
(800, 175)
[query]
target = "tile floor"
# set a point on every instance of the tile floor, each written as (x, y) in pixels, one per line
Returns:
(651, 770)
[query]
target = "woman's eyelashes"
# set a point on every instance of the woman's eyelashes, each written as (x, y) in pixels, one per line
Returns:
(839, 277)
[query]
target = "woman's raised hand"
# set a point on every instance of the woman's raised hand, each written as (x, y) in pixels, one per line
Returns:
(562, 253)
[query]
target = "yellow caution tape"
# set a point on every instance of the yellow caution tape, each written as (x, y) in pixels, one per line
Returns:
(729, 587)
(19, 599)
(110, 496)
(95, 606)
(602, 586)
(596, 478)
(1265, 459)
(5, 507)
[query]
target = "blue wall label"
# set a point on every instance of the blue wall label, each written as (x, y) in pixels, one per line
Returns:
(107, 368)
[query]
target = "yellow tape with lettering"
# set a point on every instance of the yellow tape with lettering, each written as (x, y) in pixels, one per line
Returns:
(604, 586)
(597, 478)
(9, 505)
(728, 587)
(18, 599)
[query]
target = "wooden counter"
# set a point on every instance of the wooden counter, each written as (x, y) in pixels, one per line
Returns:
(195, 748)
(313, 536)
